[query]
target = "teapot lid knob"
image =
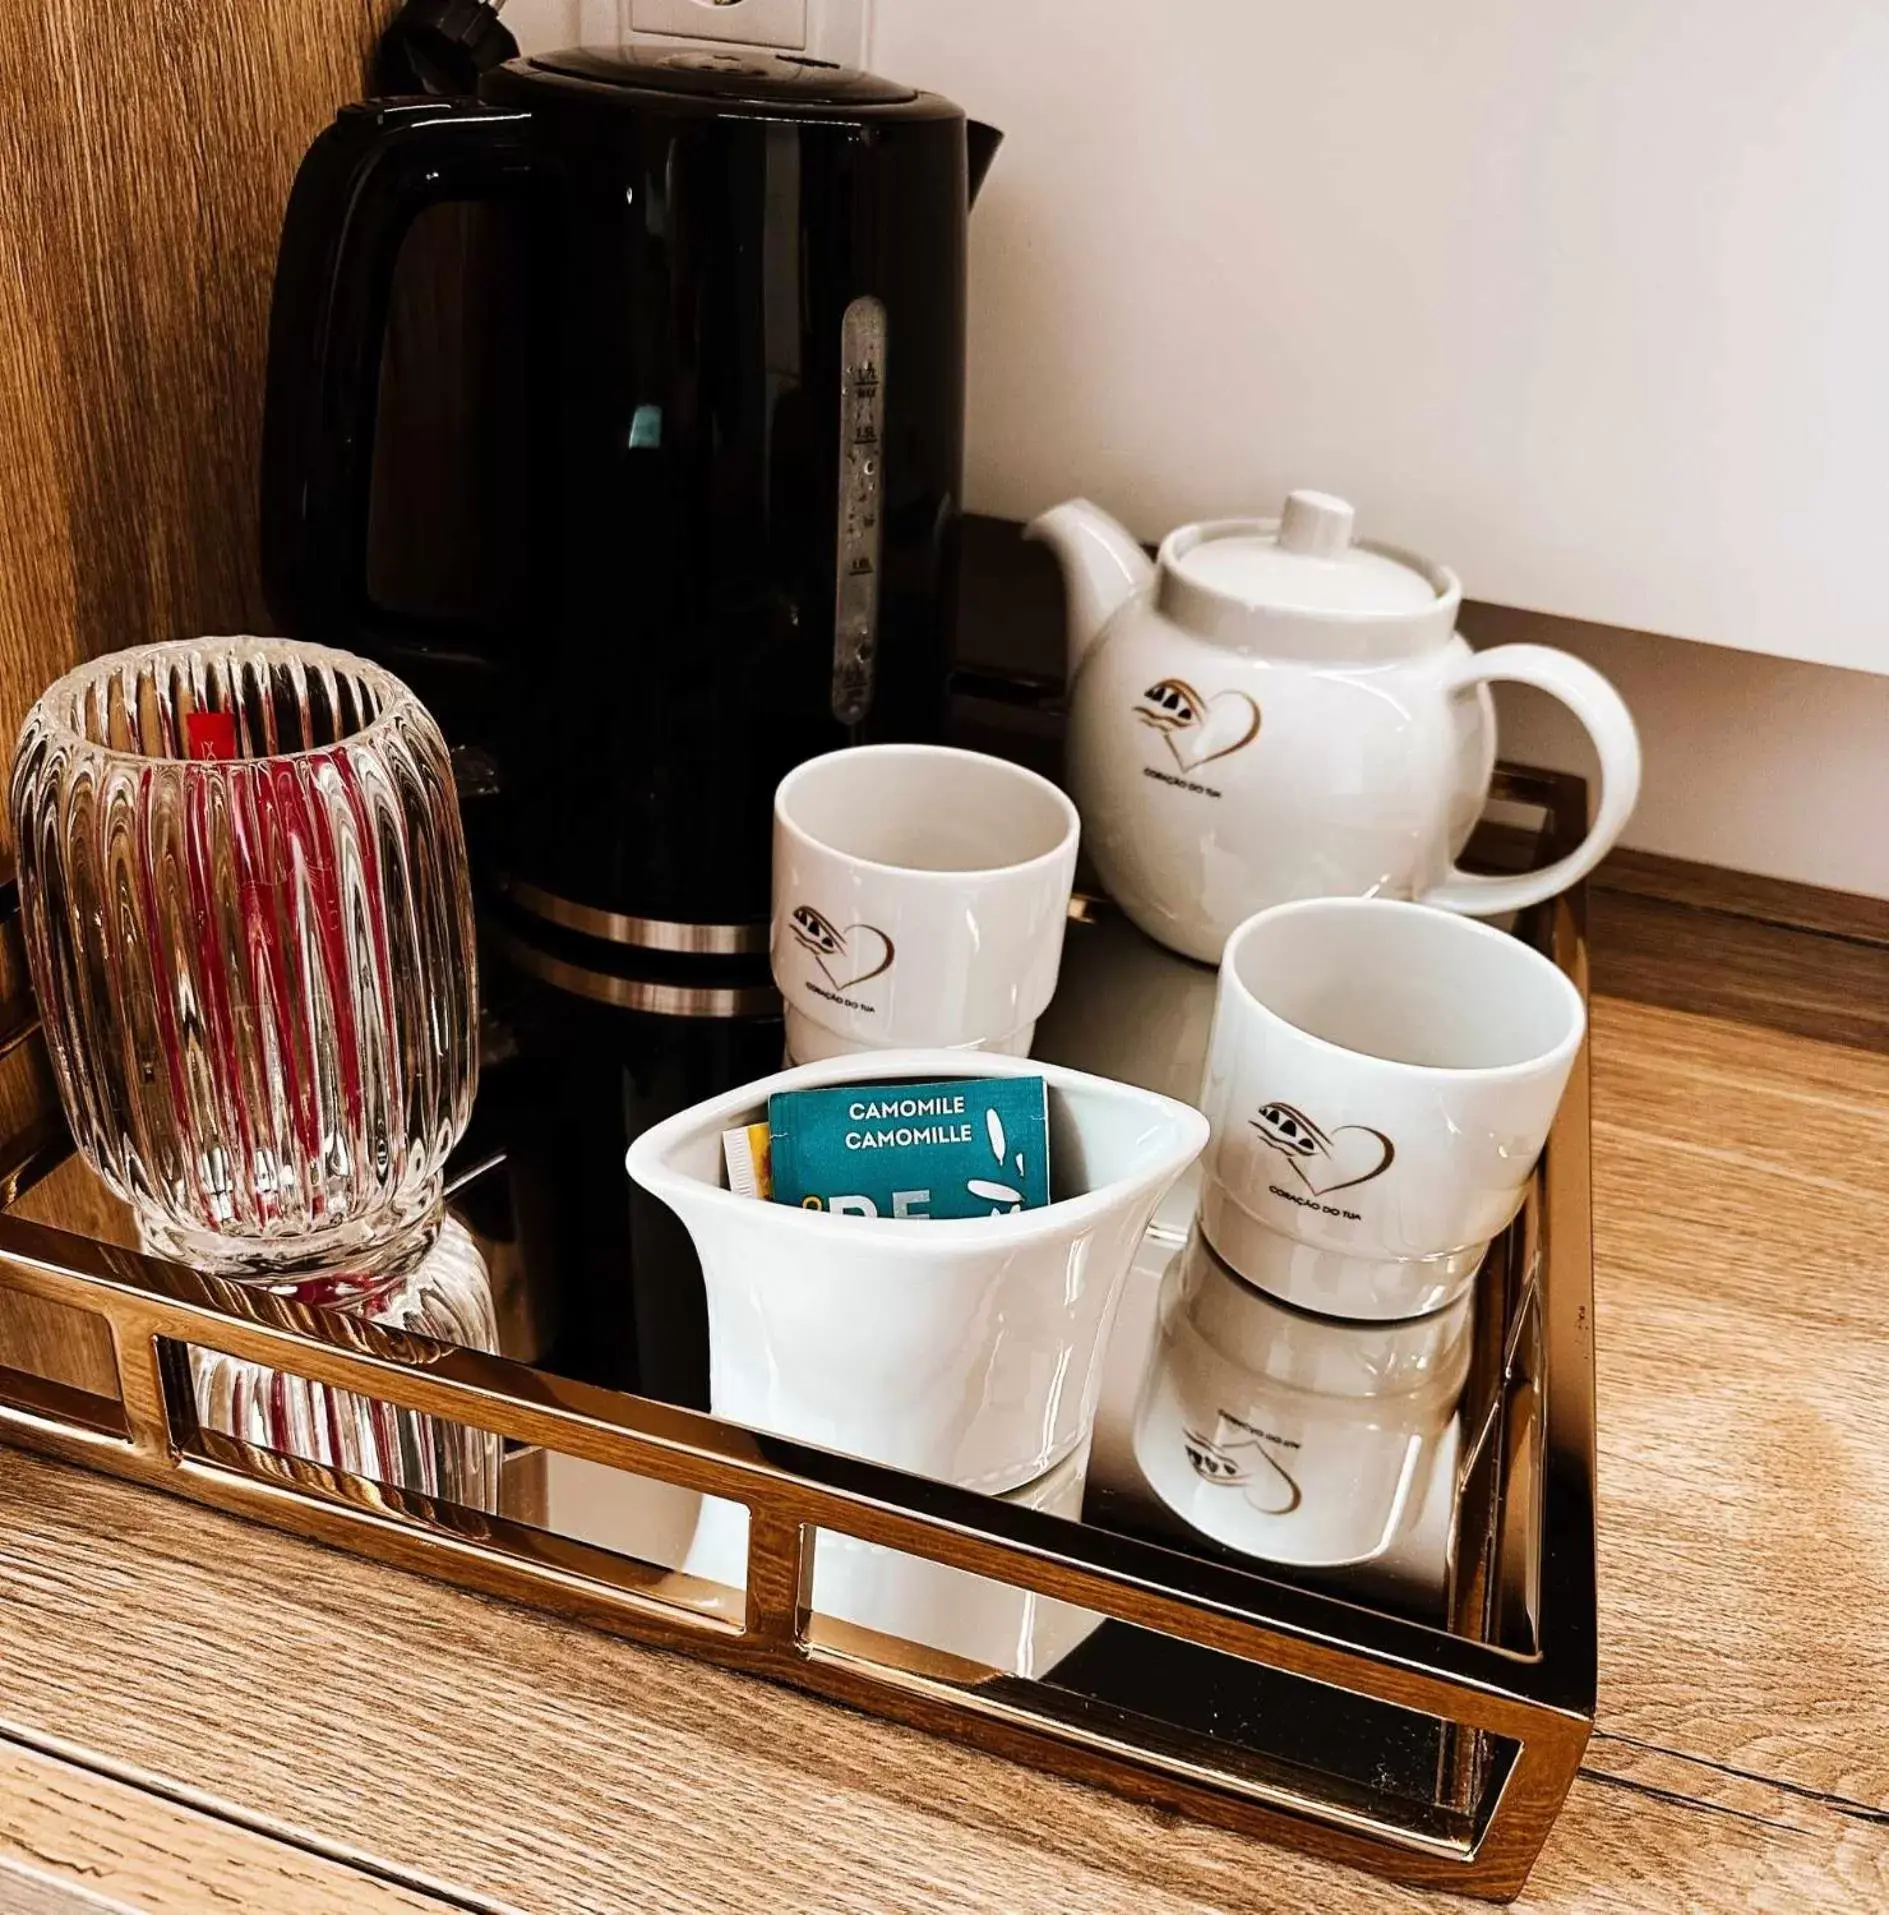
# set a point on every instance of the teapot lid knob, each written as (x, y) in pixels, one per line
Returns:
(1316, 525)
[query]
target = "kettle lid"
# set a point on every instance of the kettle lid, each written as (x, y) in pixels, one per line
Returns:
(744, 75)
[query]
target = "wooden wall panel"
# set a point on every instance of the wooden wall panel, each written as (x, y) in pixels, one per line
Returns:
(145, 158)
(146, 153)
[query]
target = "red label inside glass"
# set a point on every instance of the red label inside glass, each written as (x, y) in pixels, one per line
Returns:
(210, 734)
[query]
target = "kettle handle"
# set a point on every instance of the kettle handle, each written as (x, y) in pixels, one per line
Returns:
(1603, 714)
(358, 191)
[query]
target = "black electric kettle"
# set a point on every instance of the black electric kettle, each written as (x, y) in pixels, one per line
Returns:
(649, 368)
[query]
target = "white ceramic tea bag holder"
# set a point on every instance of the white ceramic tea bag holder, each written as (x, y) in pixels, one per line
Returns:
(1381, 1079)
(1301, 1439)
(920, 895)
(967, 1349)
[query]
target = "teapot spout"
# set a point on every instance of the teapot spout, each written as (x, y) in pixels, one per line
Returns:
(1103, 568)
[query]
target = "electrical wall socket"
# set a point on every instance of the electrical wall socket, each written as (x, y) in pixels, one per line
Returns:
(835, 30)
(758, 23)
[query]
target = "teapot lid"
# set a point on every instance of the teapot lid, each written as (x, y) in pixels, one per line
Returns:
(1301, 584)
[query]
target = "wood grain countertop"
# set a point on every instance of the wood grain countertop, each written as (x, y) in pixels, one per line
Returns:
(197, 1713)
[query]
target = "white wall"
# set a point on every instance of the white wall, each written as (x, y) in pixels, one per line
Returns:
(1590, 301)
(542, 26)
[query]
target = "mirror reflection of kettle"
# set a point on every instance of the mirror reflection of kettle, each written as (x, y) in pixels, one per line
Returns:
(620, 410)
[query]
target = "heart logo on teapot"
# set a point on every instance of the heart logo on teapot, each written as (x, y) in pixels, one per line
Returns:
(846, 958)
(1324, 1161)
(1198, 730)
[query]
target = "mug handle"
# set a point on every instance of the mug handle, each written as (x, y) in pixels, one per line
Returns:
(1603, 714)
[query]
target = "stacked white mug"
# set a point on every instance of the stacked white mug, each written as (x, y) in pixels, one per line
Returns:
(1381, 1079)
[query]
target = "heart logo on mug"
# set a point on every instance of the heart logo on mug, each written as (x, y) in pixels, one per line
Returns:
(1198, 730)
(846, 958)
(1236, 1456)
(1324, 1161)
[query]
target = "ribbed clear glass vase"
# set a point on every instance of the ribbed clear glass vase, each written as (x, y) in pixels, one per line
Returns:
(247, 915)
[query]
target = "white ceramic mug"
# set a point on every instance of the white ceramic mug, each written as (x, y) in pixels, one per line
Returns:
(1381, 1078)
(920, 894)
(966, 1349)
(1301, 1439)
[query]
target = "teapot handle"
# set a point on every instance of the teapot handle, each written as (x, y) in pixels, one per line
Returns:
(1604, 716)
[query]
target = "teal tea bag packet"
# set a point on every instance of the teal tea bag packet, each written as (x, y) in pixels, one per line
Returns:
(967, 1147)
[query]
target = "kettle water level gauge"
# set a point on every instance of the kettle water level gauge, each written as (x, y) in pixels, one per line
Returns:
(862, 483)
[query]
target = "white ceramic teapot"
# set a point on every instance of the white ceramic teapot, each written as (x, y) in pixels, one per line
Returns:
(1271, 710)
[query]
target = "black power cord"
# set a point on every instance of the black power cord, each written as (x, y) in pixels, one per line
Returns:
(440, 47)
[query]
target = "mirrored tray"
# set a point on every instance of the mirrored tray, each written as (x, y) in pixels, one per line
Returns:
(1421, 1713)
